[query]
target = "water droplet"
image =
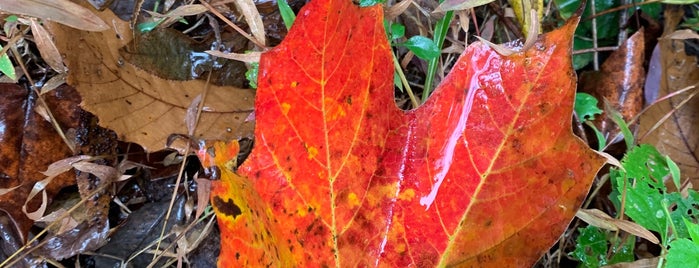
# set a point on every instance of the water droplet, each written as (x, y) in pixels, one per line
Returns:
(659, 214)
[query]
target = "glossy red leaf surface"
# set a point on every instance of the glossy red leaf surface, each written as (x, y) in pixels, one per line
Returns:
(486, 173)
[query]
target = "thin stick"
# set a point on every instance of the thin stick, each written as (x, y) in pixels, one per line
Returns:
(413, 100)
(595, 57)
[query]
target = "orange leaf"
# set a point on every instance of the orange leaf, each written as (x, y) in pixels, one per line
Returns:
(486, 173)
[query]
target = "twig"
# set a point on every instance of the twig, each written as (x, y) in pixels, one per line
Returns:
(591, 50)
(413, 100)
(595, 57)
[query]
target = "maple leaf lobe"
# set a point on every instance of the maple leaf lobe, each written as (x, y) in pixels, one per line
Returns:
(473, 177)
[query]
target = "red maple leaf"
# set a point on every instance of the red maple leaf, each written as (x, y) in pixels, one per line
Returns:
(486, 173)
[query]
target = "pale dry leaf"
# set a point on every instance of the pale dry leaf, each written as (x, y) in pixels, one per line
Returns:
(61, 11)
(7, 190)
(250, 57)
(598, 218)
(53, 83)
(41, 110)
(38, 188)
(642, 263)
(395, 10)
(101, 171)
(63, 165)
(253, 18)
(683, 34)
(181, 11)
(46, 47)
(140, 106)
(190, 118)
(449, 5)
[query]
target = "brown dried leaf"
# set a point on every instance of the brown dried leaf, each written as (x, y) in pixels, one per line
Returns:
(46, 47)
(142, 107)
(678, 135)
(620, 82)
(61, 11)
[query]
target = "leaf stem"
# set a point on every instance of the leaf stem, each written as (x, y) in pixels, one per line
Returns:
(413, 100)
(440, 33)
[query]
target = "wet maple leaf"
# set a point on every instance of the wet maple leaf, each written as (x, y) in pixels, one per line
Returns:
(485, 173)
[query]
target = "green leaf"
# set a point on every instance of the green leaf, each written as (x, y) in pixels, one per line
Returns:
(251, 74)
(683, 253)
(288, 15)
(591, 247)
(148, 26)
(367, 3)
(693, 230)
(423, 47)
(397, 31)
(586, 107)
(645, 162)
(628, 136)
(6, 66)
(440, 33)
(674, 171)
(622, 253)
(11, 18)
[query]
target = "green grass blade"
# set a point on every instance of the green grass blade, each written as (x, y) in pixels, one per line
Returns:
(440, 33)
(288, 15)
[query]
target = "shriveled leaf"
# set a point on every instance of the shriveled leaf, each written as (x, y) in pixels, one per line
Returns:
(61, 11)
(486, 173)
(140, 106)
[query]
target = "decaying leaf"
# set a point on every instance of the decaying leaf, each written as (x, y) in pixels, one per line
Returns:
(487, 173)
(142, 107)
(28, 145)
(678, 134)
(620, 82)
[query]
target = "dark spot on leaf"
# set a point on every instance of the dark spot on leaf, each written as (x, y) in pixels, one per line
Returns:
(128, 102)
(227, 207)
(237, 255)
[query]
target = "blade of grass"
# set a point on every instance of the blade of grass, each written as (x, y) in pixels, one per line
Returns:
(288, 15)
(440, 33)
